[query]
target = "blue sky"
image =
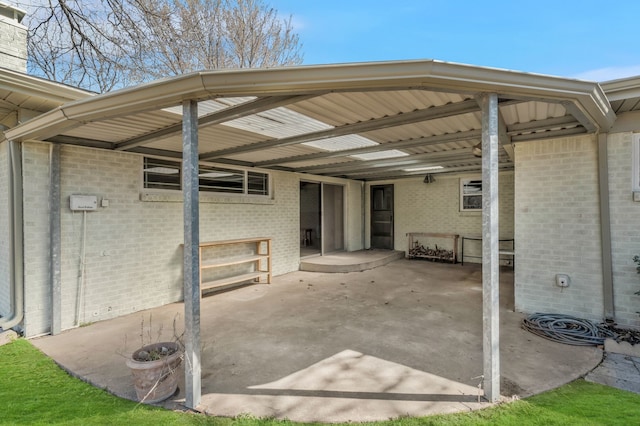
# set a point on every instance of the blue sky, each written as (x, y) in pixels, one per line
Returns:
(592, 40)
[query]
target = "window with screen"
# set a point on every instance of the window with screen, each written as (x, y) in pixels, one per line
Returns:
(167, 174)
(162, 174)
(471, 194)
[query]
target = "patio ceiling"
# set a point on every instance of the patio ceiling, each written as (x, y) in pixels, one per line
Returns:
(367, 121)
(23, 97)
(624, 94)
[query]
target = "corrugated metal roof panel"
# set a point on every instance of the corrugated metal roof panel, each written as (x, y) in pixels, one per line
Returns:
(342, 108)
(274, 153)
(525, 112)
(122, 128)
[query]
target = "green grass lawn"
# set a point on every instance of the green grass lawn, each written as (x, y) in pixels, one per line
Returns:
(33, 390)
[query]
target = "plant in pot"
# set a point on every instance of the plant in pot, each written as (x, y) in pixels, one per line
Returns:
(154, 367)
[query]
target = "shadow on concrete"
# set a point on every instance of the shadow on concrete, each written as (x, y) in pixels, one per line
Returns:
(413, 329)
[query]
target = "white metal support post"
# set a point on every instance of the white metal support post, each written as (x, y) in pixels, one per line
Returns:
(490, 247)
(192, 374)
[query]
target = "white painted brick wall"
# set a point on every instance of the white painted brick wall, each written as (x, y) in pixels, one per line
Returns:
(13, 45)
(435, 207)
(133, 253)
(36, 237)
(625, 230)
(5, 289)
(557, 228)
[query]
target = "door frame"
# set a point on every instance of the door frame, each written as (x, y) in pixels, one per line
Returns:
(371, 205)
(322, 213)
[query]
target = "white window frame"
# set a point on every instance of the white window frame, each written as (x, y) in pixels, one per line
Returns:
(635, 169)
(464, 183)
(245, 171)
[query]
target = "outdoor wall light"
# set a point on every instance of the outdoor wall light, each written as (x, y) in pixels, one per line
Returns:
(477, 150)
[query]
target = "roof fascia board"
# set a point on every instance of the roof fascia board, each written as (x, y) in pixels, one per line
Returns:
(421, 74)
(38, 87)
(42, 127)
(360, 76)
(621, 89)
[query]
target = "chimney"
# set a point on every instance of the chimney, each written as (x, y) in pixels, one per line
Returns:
(13, 38)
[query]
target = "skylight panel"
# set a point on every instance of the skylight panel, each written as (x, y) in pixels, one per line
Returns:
(281, 122)
(278, 123)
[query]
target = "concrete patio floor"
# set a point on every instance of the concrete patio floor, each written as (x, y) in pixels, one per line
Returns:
(402, 339)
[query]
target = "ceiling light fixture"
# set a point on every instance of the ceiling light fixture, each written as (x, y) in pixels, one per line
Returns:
(423, 169)
(477, 150)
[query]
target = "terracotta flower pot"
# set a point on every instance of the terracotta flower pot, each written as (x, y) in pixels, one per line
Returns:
(154, 369)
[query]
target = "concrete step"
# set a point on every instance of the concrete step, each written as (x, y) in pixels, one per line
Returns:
(354, 261)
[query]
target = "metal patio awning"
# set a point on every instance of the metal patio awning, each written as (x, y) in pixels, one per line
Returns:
(366, 121)
(360, 121)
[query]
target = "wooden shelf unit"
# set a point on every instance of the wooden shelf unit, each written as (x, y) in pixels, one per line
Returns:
(453, 237)
(260, 259)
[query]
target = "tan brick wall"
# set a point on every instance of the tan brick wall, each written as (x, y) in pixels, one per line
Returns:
(435, 208)
(13, 45)
(625, 230)
(37, 301)
(557, 227)
(133, 256)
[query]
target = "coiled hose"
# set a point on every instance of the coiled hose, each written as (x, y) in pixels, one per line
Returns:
(567, 329)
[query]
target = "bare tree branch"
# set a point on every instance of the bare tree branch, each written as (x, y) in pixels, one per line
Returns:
(107, 44)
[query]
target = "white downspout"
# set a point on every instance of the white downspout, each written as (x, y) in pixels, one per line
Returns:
(16, 248)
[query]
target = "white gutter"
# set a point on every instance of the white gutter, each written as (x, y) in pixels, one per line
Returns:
(16, 249)
(624, 88)
(587, 97)
(17, 82)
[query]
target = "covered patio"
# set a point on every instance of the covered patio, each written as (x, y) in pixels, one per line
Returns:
(401, 339)
(359, 123)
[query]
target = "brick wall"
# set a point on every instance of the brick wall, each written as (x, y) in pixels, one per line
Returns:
(13, 44)
(435, 207)
(37, 301)
(5, 289)
(557, 227)
(133, 256)
(625, 230)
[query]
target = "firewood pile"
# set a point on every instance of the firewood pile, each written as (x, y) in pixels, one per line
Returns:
(420, 251)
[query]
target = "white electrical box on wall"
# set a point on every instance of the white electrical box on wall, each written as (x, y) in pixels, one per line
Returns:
(83, 202)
